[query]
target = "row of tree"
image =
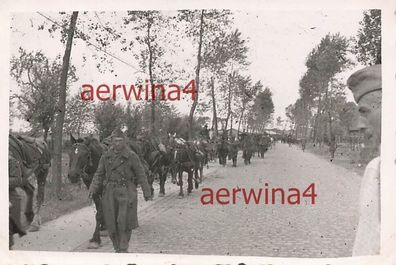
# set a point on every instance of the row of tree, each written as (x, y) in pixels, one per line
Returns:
(150, 38)
(221, 59)
(321, 113)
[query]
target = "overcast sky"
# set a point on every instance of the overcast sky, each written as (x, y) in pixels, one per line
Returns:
(278, 41)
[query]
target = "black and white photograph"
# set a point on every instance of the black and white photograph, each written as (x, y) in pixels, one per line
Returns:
(210, 131)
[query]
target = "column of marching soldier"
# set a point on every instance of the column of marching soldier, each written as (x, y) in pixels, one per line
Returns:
(116, 178)
(366, 85)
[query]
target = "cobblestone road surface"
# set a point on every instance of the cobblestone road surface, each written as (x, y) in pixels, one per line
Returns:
(325, 229)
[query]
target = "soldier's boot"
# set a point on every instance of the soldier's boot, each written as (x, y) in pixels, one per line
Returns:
(135, 225)
(35, 225)
(29, 216)
(93, 245)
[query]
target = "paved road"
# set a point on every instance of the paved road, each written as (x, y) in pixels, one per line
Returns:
(68, 232)
(325, 229)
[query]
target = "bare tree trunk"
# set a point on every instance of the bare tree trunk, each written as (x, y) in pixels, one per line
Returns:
(57, 136)
(216, 131)
(306, 130)
(150, 67)
(328, 110)
(79, 131)
(316, 122)
(231, 125)
(330, 126)
(306, 123)
(240, 118)
(199, 58)
(230, 78)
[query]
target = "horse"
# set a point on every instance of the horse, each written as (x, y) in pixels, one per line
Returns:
(205, 148)
(157, 158)
(186, 158)
(212, 152)
(34, 157)
(137, 147)
(222, 151)
(263, 145)
(200, 156)
(248, 148)
(84, 156)
(233, 147)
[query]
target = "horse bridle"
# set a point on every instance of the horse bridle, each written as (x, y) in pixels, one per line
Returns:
(90, 163)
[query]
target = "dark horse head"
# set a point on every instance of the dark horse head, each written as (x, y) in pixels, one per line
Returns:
(84, 156)
(84, 160)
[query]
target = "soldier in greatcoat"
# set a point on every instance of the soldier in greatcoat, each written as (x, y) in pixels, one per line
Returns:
(233, 146)
(118, 174)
